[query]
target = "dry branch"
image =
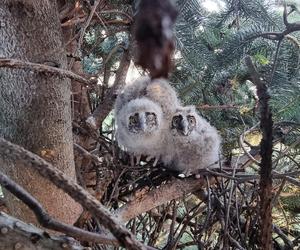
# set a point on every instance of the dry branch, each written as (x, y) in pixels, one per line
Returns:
(43, 68)
(278, 36)
(17, 153)
(217, 107)
(266, 148)
(175, 189)
(15, 234)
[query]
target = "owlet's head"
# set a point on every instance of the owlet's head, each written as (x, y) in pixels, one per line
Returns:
(142, 122)
(143, 116)
(184, 121)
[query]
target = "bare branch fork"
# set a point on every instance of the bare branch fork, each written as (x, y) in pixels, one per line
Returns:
(86, 25)
(43, 68)
(266, 148)
(58, 178)
(289, 28)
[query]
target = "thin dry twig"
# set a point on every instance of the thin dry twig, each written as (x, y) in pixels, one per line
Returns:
(217, 107)
(86, 25)
(278, 36)
(241, 143)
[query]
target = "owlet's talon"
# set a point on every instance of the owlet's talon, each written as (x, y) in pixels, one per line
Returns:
(155, 161)
(149, 157)
(138, 159)
(132, 160)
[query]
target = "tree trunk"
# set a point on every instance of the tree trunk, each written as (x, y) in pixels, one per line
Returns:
(35, 108)
(80, 102)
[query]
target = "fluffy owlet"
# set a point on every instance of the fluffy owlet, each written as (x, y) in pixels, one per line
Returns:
(158, 93)
(139, 125)
(192, 143)
(157, 90)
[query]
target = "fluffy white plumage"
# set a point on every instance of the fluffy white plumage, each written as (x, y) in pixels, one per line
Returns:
(157, 90)
(144, 137)
(185, 141)
(192, 143)
(145, 95)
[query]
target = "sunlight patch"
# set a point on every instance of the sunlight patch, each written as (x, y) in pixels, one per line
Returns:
(213, 5)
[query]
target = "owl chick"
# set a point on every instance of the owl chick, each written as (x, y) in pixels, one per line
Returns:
(157, 90)
(192, 142)
(139, 125)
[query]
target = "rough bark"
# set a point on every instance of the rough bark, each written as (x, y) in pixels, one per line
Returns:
(80, 103)
(15, 234)
(35, 107)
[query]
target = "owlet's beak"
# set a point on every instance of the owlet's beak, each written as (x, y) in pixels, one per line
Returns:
(184, 127)
(142, 121)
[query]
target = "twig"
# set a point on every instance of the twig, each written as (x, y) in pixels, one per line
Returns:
(87, 154)
(172, 225)
(14, 152)
(276, 196)
(74, 21)
(284, 237)
(183, 225)
(97, 15)
(86, 25)
(229, 198)
(241, 143)
(278, 36)
(117, 12)
(217, 107)
(42, 68)
(275, 60)
(235, 243)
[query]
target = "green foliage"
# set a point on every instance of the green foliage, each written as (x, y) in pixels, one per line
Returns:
(91, 64)
(210, 69)
(291, 203)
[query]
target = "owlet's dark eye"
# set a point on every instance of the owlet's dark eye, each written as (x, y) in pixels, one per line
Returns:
(133, 119)
(176, 120)
(191, 119)
(150, 116)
